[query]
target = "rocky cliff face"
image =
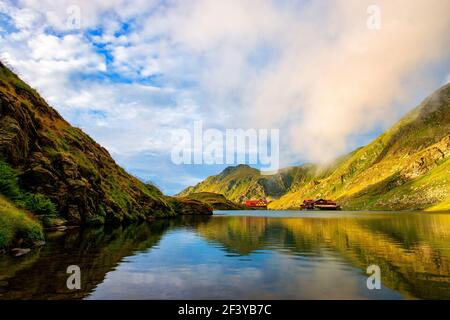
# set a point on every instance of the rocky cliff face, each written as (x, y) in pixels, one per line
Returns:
(62, 162)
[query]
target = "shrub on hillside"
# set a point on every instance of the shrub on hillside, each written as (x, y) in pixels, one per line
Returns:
(9, 185)
(38, 204)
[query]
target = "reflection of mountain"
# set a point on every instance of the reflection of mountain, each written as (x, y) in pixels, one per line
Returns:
(42, 274)
(412, 251)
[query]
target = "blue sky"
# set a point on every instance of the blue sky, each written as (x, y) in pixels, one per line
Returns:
(129, 72)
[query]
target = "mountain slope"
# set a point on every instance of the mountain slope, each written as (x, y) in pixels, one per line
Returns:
(243, 182)
(406, 167)
(215, 200)
(62, 162)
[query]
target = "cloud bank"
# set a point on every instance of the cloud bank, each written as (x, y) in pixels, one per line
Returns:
(135, 70)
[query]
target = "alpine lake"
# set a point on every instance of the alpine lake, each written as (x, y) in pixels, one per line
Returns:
(243, 255)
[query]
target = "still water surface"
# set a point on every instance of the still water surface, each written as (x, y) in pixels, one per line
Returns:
(243, 255)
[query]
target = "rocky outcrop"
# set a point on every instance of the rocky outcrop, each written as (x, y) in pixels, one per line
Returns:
(428, 159)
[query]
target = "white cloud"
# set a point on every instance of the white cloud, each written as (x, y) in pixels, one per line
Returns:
(48, 62)
(93, 12)
(25, 18)
(136, 60)
(312, 69)
(333, 77)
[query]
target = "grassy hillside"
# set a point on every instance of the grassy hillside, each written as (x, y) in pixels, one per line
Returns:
(17, 227)
(243, 182)
(407, 167)
(215, 200)
(64, 164)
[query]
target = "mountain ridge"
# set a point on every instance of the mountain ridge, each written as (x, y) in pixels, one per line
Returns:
(406, 161)
(78, 175)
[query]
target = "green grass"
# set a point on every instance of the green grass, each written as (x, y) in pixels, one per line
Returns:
(217, 201)
(38, 204)
(9, 183)
(9, 187)
(442, 206)
(16, 224)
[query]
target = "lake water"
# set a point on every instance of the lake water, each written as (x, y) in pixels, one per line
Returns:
(243, 255)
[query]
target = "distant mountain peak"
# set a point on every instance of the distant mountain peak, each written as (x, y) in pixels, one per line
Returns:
(238, 167)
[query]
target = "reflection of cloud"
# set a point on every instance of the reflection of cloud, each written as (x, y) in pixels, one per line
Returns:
(184, 266)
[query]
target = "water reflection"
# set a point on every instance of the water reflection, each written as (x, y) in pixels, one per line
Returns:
(97, 251)
(267, 255)
(413, 250)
